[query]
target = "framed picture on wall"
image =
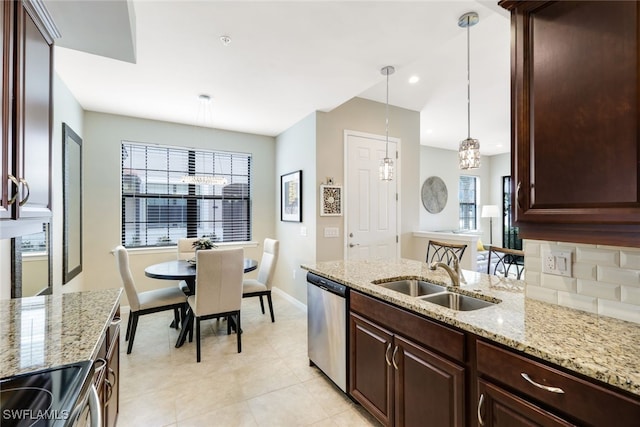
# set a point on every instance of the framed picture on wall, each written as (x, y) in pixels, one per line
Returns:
(330, 200)
(291, 197)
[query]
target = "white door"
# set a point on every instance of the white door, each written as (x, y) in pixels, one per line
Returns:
(371, 211)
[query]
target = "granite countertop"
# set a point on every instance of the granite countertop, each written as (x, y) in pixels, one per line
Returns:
(47, 331)
(599, 347)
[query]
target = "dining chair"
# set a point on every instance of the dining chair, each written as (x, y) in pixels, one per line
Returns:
(146, 302)
(218, 290)
(186, 251)
(506, 262)
(261, 286)
(444, 252)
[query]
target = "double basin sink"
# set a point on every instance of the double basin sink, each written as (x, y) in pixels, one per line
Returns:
(436, 294)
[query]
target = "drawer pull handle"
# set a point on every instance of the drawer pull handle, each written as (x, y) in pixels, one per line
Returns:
(15, 195)
(518, 203)
(393, 358)
(386, 354)
(480, 403)
(116, 321)
(26, 198)
(544, 387)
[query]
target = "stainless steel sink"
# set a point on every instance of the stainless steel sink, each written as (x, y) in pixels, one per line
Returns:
(413, 288)
(458, 302)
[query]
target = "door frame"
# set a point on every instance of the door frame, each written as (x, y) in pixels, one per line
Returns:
(397, 169)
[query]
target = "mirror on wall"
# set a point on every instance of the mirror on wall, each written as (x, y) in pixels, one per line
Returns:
(72, 200)
(31, 272)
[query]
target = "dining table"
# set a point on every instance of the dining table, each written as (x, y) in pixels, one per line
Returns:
(179, 269)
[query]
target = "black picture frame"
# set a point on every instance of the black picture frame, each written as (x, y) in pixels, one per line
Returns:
(291, 197)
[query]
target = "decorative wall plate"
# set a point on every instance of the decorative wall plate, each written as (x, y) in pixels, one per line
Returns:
(434, 194)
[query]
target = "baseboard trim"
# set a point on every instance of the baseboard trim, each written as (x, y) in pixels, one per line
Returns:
(302, 306)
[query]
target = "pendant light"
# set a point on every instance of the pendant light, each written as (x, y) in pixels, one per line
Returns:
(205, 118)
(386, 164)
(469, 151)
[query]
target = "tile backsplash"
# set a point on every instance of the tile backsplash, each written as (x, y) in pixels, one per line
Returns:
(605, 279)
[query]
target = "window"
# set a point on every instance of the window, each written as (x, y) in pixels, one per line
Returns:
(158, 208)
(467, 195)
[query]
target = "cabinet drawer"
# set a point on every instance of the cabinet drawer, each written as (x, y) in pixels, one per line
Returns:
(567, 394)
(426, 332)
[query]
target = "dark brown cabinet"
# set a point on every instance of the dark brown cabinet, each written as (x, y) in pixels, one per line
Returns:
(107, 373)
(400, 380)
(515, 390)
(575, 130)
(25, 159)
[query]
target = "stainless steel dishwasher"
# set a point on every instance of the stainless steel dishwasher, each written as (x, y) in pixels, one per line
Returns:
(327, 327)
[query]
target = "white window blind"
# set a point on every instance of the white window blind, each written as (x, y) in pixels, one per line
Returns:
(158, 207)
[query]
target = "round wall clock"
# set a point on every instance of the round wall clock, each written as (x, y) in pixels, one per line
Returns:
(434, 194)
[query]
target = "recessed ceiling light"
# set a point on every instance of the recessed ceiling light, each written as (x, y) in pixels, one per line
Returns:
(414, 79)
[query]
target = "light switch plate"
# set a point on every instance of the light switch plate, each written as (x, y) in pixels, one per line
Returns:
(557, 263)
(331, 232)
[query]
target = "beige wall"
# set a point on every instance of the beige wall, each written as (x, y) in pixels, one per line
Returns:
(296, 148)
(367, 116)
(102, 137)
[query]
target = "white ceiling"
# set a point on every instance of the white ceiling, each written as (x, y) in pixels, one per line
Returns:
(287, 60)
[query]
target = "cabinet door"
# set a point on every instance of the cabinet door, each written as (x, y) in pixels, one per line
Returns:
(575, 133)
(33, 118)
(499, 408)
(7, 186)
(112, 397)
(371, 375)
(427, 387)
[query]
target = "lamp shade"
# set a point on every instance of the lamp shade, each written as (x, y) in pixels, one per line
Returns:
(490, 211)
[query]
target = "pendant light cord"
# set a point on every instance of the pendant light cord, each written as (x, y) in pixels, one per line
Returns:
(468, 81)
(387, 120)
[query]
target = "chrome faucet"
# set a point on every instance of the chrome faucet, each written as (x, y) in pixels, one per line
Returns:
(454, 273)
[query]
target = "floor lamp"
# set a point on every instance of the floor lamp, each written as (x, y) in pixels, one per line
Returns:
(490, 211)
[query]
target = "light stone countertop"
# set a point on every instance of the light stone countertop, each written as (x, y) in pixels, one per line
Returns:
(47, 331)
(599, 347)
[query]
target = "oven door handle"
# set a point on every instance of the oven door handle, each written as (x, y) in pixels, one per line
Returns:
(95, 409)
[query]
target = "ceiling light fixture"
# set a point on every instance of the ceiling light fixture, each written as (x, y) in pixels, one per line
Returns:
(414, 79)
(226, 40)
(386, 164)
(469, 151)
(205, 118)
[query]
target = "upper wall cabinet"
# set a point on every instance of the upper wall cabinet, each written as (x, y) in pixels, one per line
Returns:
(575, 129)
(27, 43)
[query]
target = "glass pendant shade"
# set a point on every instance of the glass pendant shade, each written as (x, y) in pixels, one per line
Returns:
(204, 180)
(469, 154)
(386, 169)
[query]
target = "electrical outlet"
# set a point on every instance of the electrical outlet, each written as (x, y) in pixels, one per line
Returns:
(557, 263)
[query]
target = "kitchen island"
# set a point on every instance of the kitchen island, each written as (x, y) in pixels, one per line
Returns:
(52, 330)
(595, 347)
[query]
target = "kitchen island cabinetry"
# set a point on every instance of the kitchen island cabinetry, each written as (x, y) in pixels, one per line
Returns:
(25, 159)
(402, 380)
(575, 139)
(534, 393)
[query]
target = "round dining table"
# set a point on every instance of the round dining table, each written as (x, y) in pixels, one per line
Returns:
(179, 269)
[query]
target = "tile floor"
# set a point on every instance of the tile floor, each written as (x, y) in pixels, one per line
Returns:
(269, 384)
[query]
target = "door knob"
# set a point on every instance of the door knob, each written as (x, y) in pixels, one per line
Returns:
(353, 244)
